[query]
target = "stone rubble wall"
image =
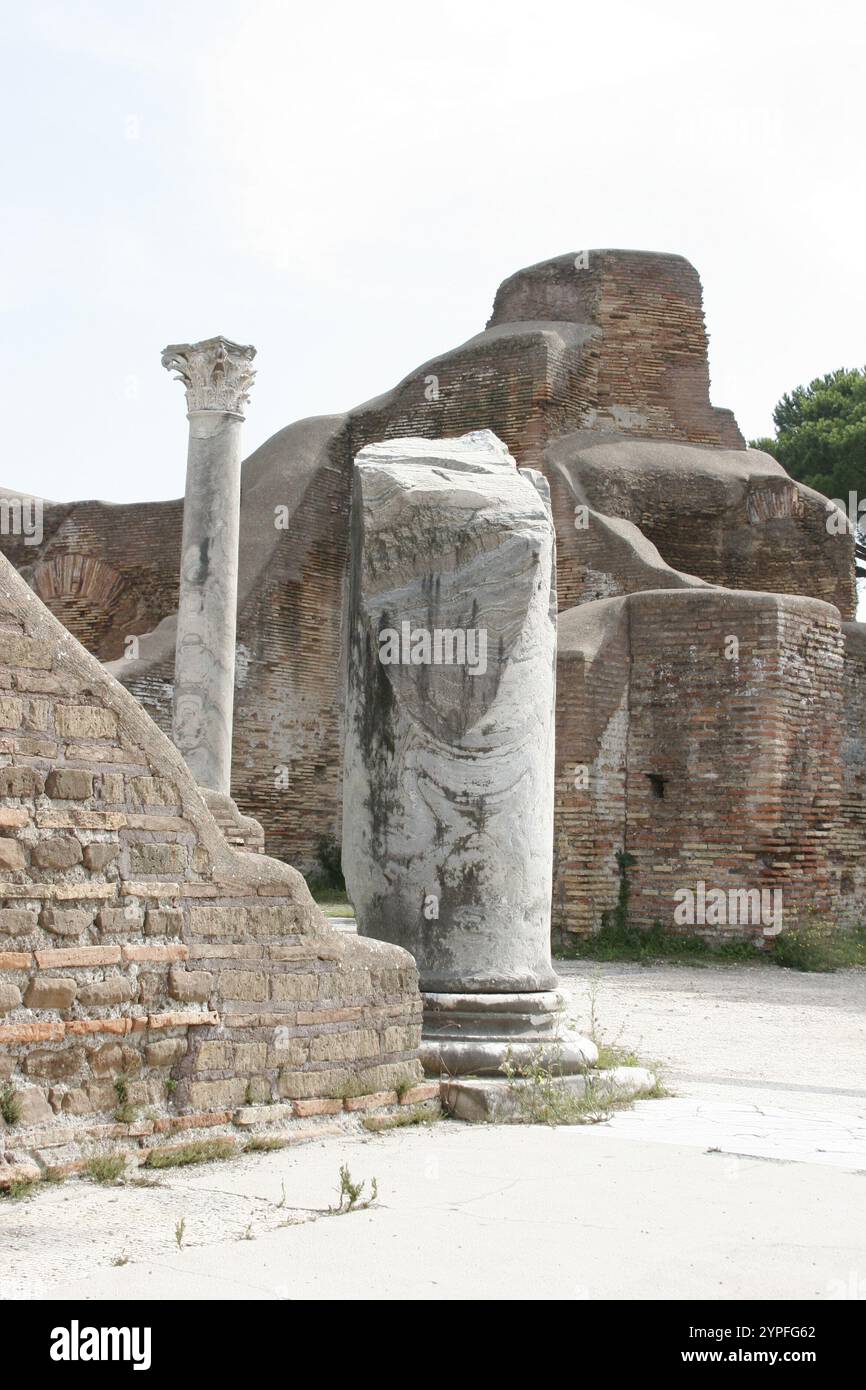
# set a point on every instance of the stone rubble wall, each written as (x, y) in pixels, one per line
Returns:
(153, 980)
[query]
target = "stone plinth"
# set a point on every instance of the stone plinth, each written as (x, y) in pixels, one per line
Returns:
(448, 788)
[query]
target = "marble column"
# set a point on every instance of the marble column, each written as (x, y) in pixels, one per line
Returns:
(217, 375)
(448, 770)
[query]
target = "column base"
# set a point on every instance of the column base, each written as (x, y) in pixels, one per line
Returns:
(485, 1034)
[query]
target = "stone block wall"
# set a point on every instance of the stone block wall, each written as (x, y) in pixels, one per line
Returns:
(153, 980)
(725, 771)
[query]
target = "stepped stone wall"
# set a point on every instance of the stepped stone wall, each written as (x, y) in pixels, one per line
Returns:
(153, 980)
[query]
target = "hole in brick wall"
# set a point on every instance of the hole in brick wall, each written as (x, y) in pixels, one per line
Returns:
(658, 784)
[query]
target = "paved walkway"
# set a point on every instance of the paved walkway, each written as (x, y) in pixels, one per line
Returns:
(674, 1199)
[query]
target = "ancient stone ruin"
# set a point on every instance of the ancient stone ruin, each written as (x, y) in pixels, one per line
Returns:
(448, 774)
(157, 984)
(709, 713)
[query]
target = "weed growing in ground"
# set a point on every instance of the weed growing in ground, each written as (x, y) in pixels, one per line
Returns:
(350, 1194)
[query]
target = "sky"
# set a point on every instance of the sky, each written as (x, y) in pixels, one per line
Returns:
(345, 185)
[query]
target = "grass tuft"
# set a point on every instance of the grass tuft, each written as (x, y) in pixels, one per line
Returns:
(106, 1168)
(16, 1191)
(412, 1115)
(10, 1105)
(264, 1144)
(817, 946)
(200, 1151)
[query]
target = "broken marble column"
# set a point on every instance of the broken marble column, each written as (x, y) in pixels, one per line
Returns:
(217, 376)
(448, 773)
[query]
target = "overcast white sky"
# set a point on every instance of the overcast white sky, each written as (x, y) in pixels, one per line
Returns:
(344, 185)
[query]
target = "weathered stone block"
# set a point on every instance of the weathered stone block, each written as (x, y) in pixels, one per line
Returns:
(190, 986)
(21, 781)
(110, 787)
(344, 984)
(218, 921)
(120, 919)
(248, 986)
(55, 1065)
(158, 859)
(211, 1095)
(11, 712)
(25, 651)
(401, 1038)
(164, 922)
(345, 1047)
(16, 921)
(12, 854)
(69, 784)
(74, 1102)
(69, 921)
(118, 989)
(289, 1052)
(295, 986)
(61, 852)
(36, 714)
(250, 1056)
(213, 1056)
(301, 1085)
(97, 857)
(35, 1109)
(85, 721)
(10, 997)
(153, 791)
(165, 1052)
(51, 992)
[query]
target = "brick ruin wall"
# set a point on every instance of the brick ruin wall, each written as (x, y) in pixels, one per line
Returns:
(850, 834)
(153, 981)
(619, 346)
(701, 767)
(592, 691)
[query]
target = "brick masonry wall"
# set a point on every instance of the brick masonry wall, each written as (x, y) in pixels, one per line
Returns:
(850, 836)
(590, 780)
(138, 949)
(726, 771)
(620, 347)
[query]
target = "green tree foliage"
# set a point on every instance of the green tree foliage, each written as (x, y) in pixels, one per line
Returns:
(821, 440)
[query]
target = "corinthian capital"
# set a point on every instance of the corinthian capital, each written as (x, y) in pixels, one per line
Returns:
(216, 373)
